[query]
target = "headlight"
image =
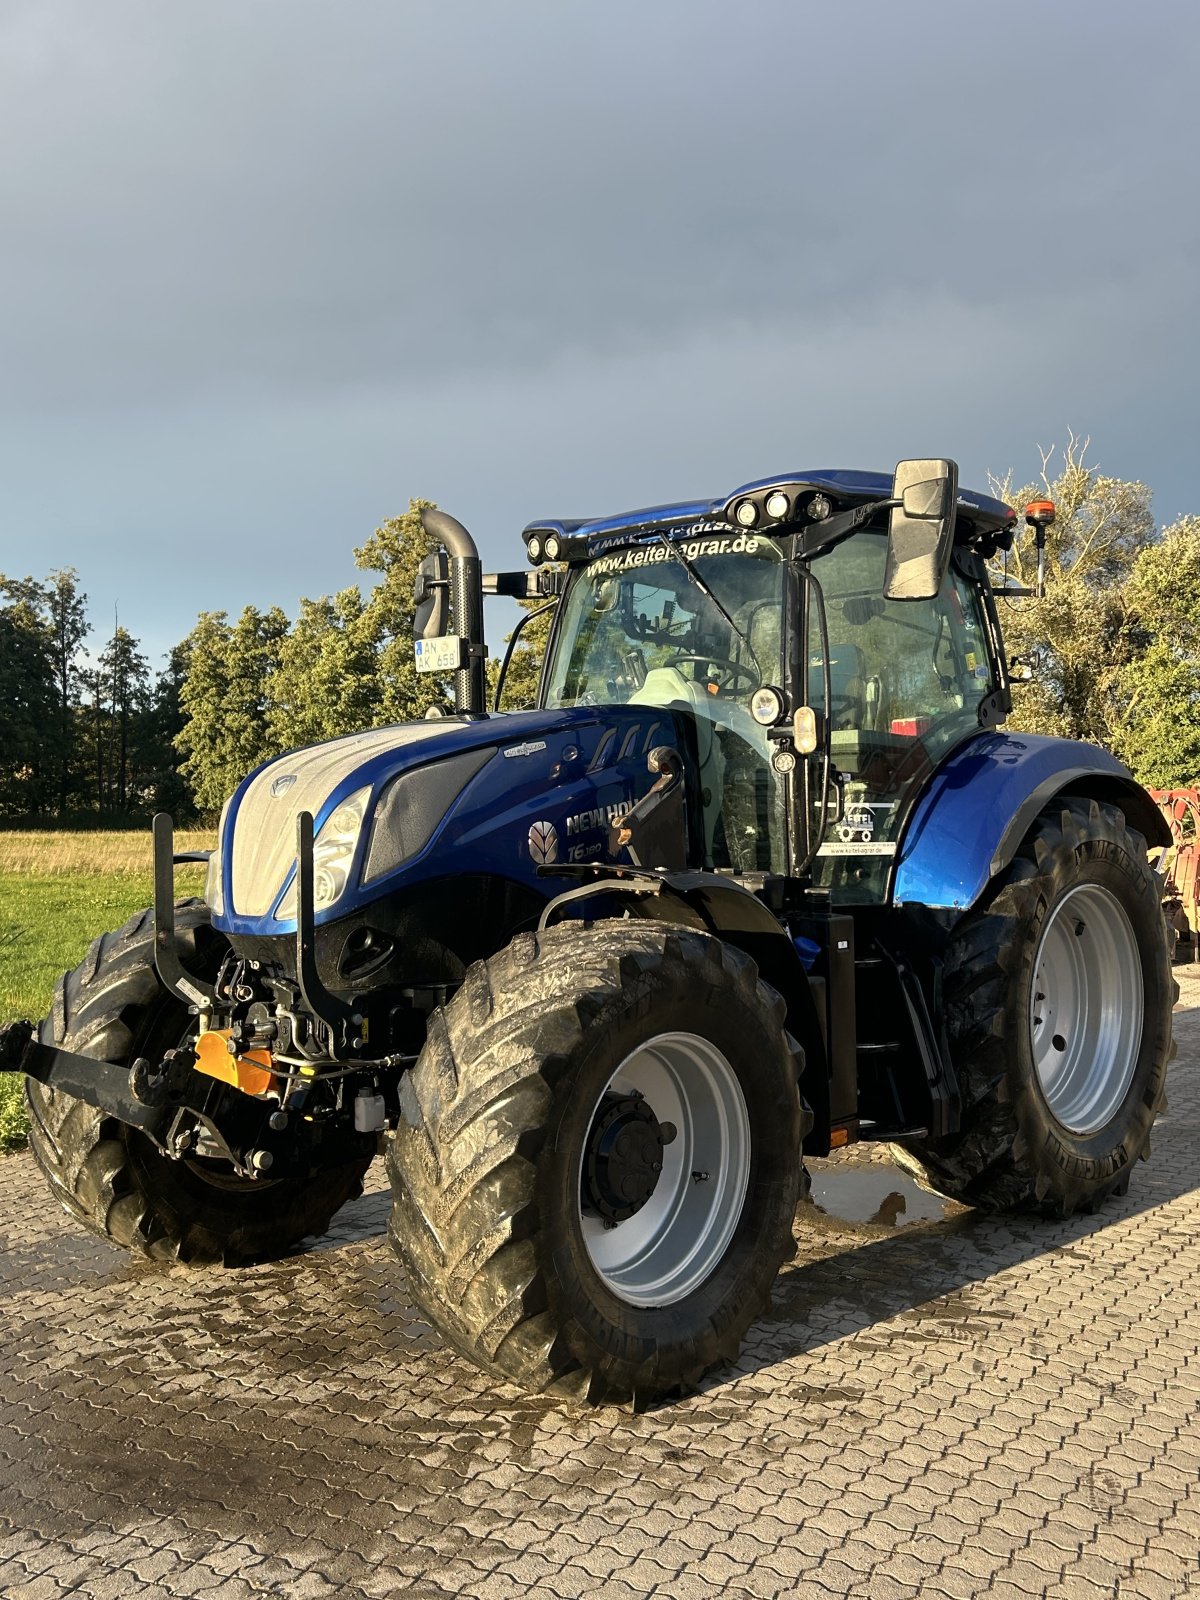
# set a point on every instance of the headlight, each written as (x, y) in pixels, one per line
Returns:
(766, 706)
(214, 887)
(333, 852)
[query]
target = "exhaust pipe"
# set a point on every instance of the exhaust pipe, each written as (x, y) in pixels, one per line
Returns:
(466, 601)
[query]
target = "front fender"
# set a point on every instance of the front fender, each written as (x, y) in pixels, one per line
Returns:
(715, 904)
(980, 803)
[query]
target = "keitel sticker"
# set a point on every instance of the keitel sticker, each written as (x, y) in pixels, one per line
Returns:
(543, 842)
(877, 847)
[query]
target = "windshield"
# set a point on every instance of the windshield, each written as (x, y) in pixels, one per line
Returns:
(637, 612)
(637, 628)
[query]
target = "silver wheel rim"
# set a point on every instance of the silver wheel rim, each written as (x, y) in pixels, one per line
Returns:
(674, 1242)
(1085, 1015)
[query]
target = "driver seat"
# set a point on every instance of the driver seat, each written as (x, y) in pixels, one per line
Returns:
(848, 685)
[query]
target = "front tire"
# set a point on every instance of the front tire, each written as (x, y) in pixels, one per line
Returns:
(536, 1230)
(113, 1178)
(1058, 998)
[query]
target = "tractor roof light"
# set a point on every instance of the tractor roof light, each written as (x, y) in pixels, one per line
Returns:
(819, 507)
(777, 505)
(553, 544)
(745, 513)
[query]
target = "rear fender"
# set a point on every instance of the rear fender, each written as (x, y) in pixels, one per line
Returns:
(981, 802)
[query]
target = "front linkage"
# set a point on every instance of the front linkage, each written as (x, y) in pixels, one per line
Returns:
(260, 1085)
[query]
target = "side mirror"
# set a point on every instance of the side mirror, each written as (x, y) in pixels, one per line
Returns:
(921, 529)
(431, 592)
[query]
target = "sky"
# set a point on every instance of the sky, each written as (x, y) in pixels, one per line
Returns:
(269, 269)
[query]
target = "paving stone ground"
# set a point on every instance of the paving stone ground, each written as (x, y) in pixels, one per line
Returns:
(946, 1406)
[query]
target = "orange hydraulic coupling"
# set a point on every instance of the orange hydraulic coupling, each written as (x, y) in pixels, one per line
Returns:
(249, 1070)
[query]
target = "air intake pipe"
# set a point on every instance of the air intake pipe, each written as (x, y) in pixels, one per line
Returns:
(466, 604)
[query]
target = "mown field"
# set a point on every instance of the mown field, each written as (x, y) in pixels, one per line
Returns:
(57, 892)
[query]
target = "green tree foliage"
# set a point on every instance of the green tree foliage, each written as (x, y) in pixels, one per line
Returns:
(75, 737)
(327, 681)
(1160, 684)
(126, 677)
(225, 699)
(29, 752)
(1079, 629)
(168, 788)
(396, 549)
(67, 618)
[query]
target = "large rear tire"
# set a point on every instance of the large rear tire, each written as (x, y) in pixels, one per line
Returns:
(1058, 997)
(599, 1160)
(113, 1178)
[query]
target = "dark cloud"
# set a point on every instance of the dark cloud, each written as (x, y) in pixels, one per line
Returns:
(268, 270)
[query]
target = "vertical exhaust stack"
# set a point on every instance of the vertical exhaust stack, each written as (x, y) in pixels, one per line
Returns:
(466, 600)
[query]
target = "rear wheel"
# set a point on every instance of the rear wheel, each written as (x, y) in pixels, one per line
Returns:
(599, 1160)
(113, 1178)
(1058, 998)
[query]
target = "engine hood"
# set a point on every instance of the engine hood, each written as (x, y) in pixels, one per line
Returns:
(477, 787)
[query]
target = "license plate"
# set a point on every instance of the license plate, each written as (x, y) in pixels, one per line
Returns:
(440, 655)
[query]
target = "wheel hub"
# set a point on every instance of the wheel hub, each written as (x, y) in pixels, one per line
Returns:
(622, 1160)
(1086, 1008)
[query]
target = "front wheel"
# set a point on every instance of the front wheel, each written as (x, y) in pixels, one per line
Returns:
(1058, 997)
(599, 1160)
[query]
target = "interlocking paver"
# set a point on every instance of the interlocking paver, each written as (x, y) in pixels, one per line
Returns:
(961, 1408)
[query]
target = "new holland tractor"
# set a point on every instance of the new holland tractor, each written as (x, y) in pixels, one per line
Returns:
(759, 876)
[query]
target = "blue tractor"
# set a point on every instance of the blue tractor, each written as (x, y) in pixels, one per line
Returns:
(759, 876)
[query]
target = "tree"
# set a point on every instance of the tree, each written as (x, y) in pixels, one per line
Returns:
(225, 697)
(27, 699)
(1160, 684)
(69, 627)
(127, 679)
(396, 549)
(167, 787)
(327, 680)
(1079, 629)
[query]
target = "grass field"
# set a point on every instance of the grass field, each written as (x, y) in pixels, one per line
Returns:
(57, 892)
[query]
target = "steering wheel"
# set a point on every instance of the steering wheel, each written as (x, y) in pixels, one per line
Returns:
(735, 669)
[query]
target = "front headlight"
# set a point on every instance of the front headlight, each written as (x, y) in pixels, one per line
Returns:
(333, 853)
(214, 886)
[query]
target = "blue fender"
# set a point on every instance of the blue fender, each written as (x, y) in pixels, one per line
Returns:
(981, 801)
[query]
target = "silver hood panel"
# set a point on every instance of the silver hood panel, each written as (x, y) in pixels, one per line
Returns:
(264, 835)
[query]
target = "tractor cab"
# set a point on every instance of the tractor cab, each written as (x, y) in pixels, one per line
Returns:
(828, 638)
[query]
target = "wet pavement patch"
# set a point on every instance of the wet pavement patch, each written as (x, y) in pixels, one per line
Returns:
(875, 1194)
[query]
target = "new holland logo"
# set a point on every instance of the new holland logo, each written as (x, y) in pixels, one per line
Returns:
(282, 785)
(543, 843)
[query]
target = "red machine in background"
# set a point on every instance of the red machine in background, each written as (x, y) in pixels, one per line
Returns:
(1181, 808)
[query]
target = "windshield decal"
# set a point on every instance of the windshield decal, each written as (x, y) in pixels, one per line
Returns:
(695, 550)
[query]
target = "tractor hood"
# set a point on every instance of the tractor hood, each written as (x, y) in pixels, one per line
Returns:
(500, 795)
